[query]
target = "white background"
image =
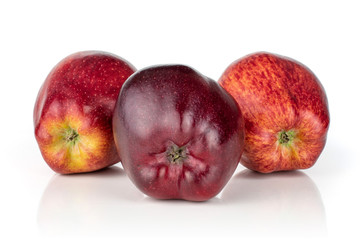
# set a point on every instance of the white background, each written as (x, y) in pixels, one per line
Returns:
(208, 35)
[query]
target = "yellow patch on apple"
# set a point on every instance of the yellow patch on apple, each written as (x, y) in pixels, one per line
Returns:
(70, 142)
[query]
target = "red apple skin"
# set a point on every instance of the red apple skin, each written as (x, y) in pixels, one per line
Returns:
(278, 95)
(74, 108)
(163, 108)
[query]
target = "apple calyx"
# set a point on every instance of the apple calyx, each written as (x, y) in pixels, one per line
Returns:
(70, 136)
(176, 154)
(285, 138)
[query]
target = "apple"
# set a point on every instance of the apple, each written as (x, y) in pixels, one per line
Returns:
(178, 133)
(74, 109)
(285, 111)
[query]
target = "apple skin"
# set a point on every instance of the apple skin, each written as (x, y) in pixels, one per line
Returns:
(179, 134)
(74, 108)
(285, 110)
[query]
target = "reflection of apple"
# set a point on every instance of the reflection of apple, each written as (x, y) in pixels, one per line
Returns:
(285, 111)
(86, 203)
(179, 134)
(104, 204)
(277, 204)
(73, 112)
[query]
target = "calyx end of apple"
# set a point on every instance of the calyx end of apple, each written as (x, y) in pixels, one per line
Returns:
(71, 136)
(285, 138)
(176, 154)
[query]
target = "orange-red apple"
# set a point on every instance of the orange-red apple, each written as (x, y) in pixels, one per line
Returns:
(285, 111)
(74, 108)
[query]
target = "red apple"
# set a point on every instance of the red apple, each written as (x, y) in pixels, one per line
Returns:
(285, 111)
(179, 134)
(74, 108)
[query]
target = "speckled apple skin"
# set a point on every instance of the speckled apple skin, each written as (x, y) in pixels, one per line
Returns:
(165, 105)
(277, 94)
(80, 93)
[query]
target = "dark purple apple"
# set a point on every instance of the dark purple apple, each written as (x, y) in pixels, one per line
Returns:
(74, 108)
(178, 133)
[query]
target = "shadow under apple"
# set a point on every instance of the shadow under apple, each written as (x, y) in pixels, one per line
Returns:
(276, 204)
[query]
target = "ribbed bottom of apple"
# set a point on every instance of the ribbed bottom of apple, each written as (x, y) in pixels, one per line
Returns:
(179, 176)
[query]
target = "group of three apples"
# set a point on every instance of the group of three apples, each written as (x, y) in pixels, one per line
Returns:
(177, 133)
